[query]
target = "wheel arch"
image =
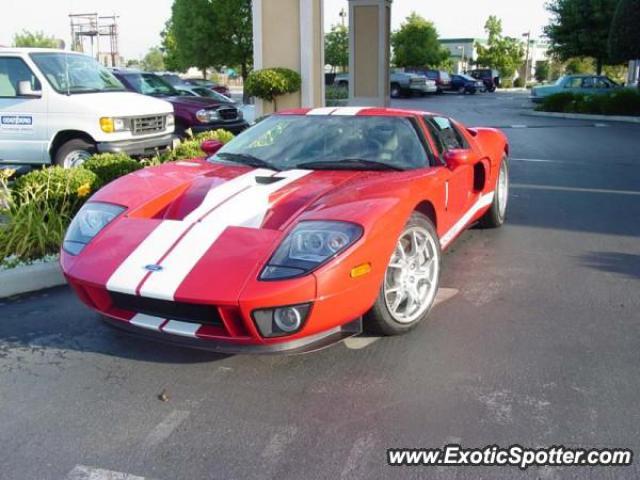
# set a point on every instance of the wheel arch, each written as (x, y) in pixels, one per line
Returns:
(64, 136)
(426, 208)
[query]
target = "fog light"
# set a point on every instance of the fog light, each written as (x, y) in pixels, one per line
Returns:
(280, 321)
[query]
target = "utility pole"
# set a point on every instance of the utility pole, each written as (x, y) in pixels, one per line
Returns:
(526, 57)
(343, 16)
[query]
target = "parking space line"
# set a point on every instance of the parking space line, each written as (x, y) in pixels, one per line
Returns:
(358, 343)
(165, 428)
(535, 160)
(574, 189)
(82, 472)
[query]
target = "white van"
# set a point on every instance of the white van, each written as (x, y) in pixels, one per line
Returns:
(60, 107)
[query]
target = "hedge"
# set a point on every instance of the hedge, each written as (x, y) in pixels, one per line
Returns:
(109, 166)
(624, 101)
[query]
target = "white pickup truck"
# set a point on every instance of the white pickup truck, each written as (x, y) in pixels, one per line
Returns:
(60, 107)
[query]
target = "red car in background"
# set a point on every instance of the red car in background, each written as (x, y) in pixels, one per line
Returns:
(306, 228)
(201, 82)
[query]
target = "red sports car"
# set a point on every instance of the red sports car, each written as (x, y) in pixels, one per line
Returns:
(301, 231)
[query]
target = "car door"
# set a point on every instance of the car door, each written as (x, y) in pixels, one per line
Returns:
(23, 119)
(459, 191)
(573, 84)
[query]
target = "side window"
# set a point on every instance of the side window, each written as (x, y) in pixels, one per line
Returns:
(13, 71)
(445, 135)
(588, 82)
(574, 82)
(603, 82)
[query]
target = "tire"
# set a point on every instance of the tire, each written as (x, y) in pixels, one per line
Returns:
(395, 92)
(496, 215)
(416, 287)
(73, 153)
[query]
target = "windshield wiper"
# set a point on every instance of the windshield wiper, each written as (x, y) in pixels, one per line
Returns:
(349, 164)
(246, 159)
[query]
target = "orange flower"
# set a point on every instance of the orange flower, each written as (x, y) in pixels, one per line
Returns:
(84, 190)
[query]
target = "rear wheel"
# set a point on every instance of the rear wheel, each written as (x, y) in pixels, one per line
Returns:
(496, 215)
(73, 153)
(395, 91)
(410, 281)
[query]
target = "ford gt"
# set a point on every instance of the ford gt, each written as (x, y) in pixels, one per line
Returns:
(307, 228)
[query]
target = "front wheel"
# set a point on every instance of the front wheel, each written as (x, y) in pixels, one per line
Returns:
(395, 91)
(410, 281)
(73, 153)
(496, 215)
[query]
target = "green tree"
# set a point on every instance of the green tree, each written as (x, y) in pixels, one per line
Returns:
(416, 44)
(542, 71)
(34, 39)
(172, 59)
(153, 61)
(579, 65)
(580, 28)
(194, 29)
(624, 36)
(336, 47)
(506, 54)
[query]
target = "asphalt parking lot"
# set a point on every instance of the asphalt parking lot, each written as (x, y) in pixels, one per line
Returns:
(535, 341)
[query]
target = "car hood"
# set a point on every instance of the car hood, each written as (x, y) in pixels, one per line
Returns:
(187, 221)
(115, 104)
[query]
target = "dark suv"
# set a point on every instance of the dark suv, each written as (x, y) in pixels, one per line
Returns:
(197, 113)
(489, 77)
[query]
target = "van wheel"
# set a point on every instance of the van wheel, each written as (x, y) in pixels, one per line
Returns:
(73, 153)
(395, 91)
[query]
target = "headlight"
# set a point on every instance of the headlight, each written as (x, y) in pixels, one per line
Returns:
(113, 124)
(89, 221)
(207, 116)
(170, 120)
(309, 245)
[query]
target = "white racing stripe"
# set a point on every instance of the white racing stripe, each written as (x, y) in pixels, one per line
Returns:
(482, 202)
(247, 209)
(132, 271)
(321, 111)
(347, 110)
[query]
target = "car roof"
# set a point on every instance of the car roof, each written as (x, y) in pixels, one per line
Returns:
(21, 50)
(357, 111)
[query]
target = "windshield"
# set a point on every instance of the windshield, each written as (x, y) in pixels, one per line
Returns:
(206, 92)
(150, 84)
(172, 79)
(468, 78)
(297, 141)
(73, 73)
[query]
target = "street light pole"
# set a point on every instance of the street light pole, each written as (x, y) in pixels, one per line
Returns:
(526, 57)
(343, 16)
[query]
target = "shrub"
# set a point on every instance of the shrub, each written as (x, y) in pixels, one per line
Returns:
(109, 166)
(34, 229)
(221, 135)
(56, 187)
(617, 102)
(270, 83)
(518, 82)
(506, 82)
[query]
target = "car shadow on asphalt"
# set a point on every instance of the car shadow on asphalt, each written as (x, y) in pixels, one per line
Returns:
(54, 320)
(625, 264)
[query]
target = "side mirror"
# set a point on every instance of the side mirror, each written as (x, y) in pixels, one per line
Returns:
(456, 157)
(25, 90)
(210, 147)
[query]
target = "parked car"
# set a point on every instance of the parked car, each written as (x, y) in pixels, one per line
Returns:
(466, 84)
(442, 79)
(575, 84)
(489, 77)
(172, 78)
(61, 107)
(196, 113)
(400, 84)
(201, 82)
(298, 233)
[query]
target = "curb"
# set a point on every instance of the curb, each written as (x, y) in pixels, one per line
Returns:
(584, 116)
(30, 278)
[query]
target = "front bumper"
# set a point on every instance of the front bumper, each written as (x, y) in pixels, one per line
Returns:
(138, 146)
(536, 98)
(308, 344)
(234, 127)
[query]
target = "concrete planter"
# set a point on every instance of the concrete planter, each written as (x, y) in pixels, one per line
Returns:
(30, 278)
(585, 116)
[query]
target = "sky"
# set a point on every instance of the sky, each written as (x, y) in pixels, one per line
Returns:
(140, 21)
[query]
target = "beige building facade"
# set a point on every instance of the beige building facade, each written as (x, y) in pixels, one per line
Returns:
(290, 33)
